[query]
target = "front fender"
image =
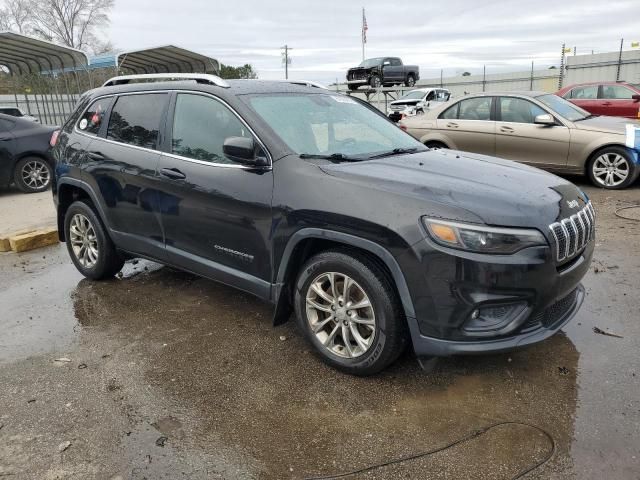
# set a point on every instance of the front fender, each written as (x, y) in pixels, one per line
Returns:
(282, 310)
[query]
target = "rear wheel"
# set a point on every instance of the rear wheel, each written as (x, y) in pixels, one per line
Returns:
(32, 174)
(89, 246)
(411, 81)
(348, 309)
(612, 168)
(435, 145)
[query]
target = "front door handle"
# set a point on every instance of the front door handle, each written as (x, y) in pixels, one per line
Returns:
(506, 129)
(452, 125)
(173, 173)
(606, 104)
(95, 155)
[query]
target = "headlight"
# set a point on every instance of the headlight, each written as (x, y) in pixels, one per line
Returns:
(481, 239)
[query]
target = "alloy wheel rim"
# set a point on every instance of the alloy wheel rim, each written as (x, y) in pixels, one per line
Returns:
(610, 169)
(35, 175)
(340, 315)
(84, 242)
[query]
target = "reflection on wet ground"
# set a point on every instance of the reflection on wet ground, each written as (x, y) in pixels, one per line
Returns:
(187, 378)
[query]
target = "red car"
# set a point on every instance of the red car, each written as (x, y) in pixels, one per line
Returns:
(615, 99)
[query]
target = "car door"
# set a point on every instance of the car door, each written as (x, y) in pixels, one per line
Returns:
(469, 125)
(586, 97)
(519, 138)
(121, 165)
(392, 70)
(216, 213)
(617, 101)
(6, 152)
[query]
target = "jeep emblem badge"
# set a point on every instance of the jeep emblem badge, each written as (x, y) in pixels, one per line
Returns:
(573, 204)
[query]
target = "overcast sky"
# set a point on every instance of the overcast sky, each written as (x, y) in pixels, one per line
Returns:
(455, 35)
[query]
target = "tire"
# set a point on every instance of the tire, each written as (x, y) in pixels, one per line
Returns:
(106, 261)
(385, 337)
(612, 168)
(435, 145)
(32, 175)
(410, 82)
(375, 82)
(420, 112)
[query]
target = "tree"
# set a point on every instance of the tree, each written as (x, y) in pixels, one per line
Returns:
(14, 16)
(466, 74)
(552, 67)
(74, 23)
(245, 71)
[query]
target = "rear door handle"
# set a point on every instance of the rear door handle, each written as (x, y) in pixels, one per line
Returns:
(506, 129)
(452, 125)
(173, 173)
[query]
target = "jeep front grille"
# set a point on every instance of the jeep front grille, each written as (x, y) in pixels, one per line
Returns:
(572, 234)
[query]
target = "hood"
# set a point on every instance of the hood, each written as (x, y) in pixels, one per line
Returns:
(405, 102)
(357, 69)
(605, 124)
(469, 187)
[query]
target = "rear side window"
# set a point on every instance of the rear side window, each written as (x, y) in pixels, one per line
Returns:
(450, 113)
(616, 92)
(92, 118)
(478, 108)
(585, 93)
(200, 127)
(135, 119)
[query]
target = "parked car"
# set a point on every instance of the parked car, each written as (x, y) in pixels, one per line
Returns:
(24, 157)
(616, 99)
(17, 112)
(312, 201)
(417, 101)
(382, 72)
(536, 128)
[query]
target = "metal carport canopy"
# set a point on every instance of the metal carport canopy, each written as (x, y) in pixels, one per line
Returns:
(22, 55)
(166, 59)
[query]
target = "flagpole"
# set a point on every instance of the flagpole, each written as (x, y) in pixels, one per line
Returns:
(362, 34)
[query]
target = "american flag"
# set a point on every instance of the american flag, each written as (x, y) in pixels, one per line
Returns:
(364, 27)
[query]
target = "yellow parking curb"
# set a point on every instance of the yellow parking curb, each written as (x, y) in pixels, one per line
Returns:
(30, 239)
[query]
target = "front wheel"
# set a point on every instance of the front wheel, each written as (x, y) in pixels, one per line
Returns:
(375, 82)
(89, 246)
(348, 310)
(612, 168)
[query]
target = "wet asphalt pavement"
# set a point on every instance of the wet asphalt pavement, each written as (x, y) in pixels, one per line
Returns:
(160, 374)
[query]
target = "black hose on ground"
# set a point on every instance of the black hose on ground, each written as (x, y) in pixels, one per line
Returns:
(470, 436)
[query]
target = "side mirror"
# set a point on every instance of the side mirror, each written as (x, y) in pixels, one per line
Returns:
(244, 151)
(636, 98)
(544, 119)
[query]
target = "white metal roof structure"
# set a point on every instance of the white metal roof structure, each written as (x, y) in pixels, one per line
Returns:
(25, 55)
(166, 59)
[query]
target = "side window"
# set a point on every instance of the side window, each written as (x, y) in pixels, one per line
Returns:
(135, 119)
(589, 92)
(518, 110)
(91, 120)
(451, 112)
(478, 108)
(200, 126)
(616, 92)
(395, 62)
(431, 95)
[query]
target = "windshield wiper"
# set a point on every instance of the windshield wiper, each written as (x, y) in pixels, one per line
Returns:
(334, 157)
(395, 151)
(587, 117)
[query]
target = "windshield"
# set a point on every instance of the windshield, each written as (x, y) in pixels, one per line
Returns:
(371, 62)
(414, 95)
(564, 108)
(325, 124)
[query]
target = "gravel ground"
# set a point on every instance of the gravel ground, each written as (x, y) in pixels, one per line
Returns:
(160, 374)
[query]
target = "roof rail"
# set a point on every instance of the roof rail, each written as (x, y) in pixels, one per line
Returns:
(198, 77)
(306, 83)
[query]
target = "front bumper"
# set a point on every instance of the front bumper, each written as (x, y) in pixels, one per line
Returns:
(447, 287)
(362, 81)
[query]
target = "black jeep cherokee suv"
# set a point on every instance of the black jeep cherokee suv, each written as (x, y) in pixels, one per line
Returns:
(315, 203)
